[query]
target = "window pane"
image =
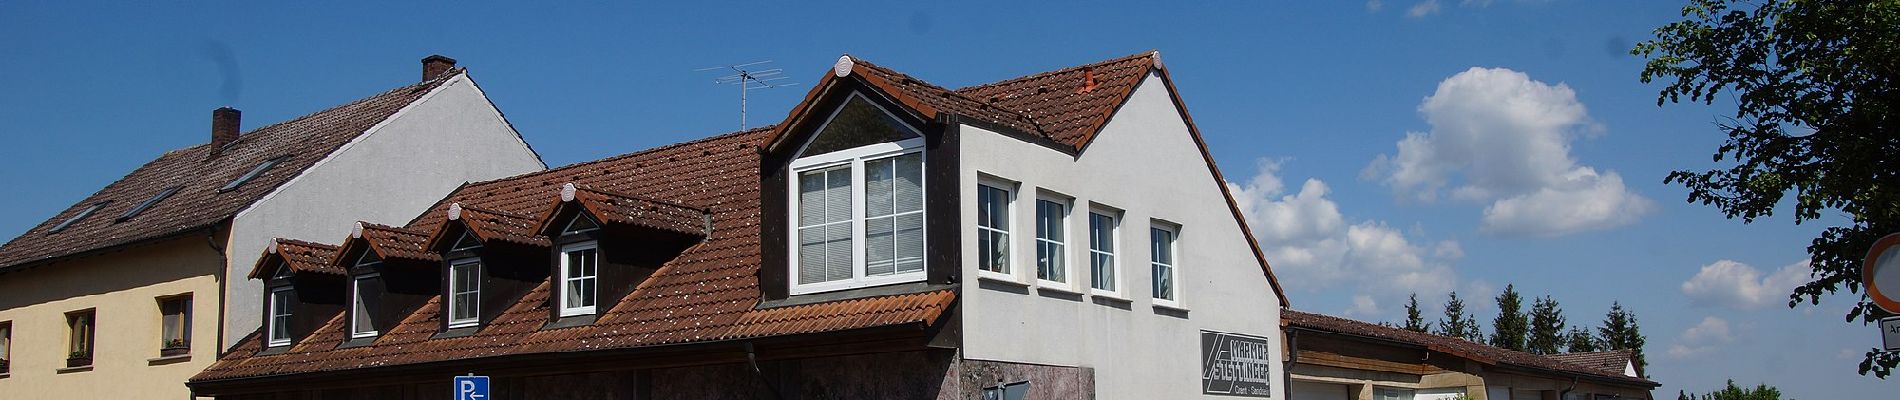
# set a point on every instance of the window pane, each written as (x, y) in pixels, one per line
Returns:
(909, 187)
(1049, 241)
(360, 319)
(879, 177)
(1161, 242)
(1102, 251)
(858, 123)
(838, 251)
(909, 242)
(880, 250)
(838, 195)
(811, 255)
(811, 198)
(992, 229)
(574, 294)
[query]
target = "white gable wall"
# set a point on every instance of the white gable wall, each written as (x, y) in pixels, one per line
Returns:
(401, 167)
(1146, 163)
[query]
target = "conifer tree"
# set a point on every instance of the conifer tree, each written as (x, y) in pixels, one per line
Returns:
(1457, 323)
(1619, 332)
(1547, 327)
(1510, 328)
(1580, 341)
(1414, 321)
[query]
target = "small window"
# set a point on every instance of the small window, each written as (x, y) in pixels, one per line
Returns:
(1161, 240)
(162, 194)
(175, 325)
(1102, 253)
(361, 325)
(279, 316)
(6, 345)
(465, 293)
(466, 242)
(252, 174)
(992, 229)
(581, 224)
(80, 328)
(579, 268)
(76, 217)
(1052, 228)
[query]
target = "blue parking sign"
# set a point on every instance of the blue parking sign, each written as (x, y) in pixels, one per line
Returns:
(471, 387)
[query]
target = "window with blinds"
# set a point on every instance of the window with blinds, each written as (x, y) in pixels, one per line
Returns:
(858, 202)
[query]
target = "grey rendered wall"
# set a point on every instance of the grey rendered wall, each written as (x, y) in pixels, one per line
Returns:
(402, 166)
(1145, 163)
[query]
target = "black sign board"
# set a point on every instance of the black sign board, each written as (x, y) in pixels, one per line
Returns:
(1237, 365)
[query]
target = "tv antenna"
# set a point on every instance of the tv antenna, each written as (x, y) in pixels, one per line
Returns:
(749, 76)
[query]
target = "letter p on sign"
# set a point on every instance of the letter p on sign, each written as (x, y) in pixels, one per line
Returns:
(471, 387)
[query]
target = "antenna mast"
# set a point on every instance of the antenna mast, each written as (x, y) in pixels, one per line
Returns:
(748, 78)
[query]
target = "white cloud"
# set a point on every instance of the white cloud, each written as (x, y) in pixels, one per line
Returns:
(1703, 338)
(1423, 8)
(1499, 137)
(1374, 5)
(1308, 240)
(1735, 285)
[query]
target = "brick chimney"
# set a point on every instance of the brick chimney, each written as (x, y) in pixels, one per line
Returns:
(435, 65)
(224, 126)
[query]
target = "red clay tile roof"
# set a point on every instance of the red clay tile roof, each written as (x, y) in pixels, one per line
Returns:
(1613, 361)
(707, 293)
(1455, 346)
(616, 208)
(1064, 103)
(200, 171)
(392, 242)
(301, 256)
(490, 225)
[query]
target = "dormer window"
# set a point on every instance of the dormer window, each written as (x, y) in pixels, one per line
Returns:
(280, 316)
(361, 326)
(858, 209)
(362, 287)
(580, 270)
(465, 292)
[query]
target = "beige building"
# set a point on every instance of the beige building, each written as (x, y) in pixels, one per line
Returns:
(1335, 358)
(123, 294)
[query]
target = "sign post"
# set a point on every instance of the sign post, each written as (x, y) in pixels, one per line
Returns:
(471, 387)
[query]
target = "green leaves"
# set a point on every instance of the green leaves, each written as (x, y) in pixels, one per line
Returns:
(1829, 66)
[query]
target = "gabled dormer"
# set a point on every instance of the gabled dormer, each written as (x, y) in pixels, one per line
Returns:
(605, 244)
(859, 189)
(390, 273)
(302, 290)
(489, 260)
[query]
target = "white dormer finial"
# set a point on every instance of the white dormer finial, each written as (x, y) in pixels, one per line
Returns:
(273, 246)
(455, 211)
(567, 191)
(843, 67)
(1156, 54)
(356, 232)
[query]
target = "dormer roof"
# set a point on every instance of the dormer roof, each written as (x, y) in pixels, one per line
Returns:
(299, 256)
(387, 242)
(625, 209)
(198, 173)
(489, 225)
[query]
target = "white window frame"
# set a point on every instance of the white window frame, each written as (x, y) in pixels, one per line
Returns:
(854, 158)
(1174, 265)
(453, 293)
(1115, 253)
(567, 310)
(358, 307)
(1065, 249)
(1010, 272)
(279, 296)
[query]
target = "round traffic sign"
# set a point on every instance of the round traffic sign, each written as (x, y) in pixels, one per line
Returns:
(1881, 273)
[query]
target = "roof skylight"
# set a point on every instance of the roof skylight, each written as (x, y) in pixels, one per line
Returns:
(255, 171)
(76, 217)
(162, 194)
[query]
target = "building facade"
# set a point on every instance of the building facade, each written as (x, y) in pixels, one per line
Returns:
(1063, 235)
(1335, 358)
(122, 295)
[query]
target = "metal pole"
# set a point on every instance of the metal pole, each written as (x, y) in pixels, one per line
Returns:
(743, 84)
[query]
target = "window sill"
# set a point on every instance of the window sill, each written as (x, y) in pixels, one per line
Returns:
(1002, 279)
(68, 370)
(1109, 296)
(1057, 289)
(4, 375)
(168, 359)
(1171, 309)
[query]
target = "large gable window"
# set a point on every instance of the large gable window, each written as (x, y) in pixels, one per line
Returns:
(858, 202)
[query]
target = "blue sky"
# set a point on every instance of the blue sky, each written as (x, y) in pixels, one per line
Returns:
(1298, 100)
